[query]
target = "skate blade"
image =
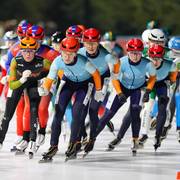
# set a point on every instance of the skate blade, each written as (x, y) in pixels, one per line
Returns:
(109, 149)
(69, 158)
(155, 148)
(85, 154)
(14, 149)
(17, 153)
(140, 146)
(45, 160)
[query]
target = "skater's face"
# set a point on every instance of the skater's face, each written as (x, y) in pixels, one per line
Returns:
(135, 56)
(91, 47)
(28, 54)
(156, 62)
(161, 43)
(68, 57)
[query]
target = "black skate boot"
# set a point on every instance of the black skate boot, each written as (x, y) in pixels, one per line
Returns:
(157, 143)
(165, 132)
(178, 135)
(143, 140)
(113, 144)
(110, 125)
(153, 124)
(84, 141)
(71, 152)
(135, 146)
(78, 147)
(89, 147)
(47, 156)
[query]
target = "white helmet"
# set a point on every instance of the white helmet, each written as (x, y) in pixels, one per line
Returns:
(10, 36)
(145, 35)
(157, 35)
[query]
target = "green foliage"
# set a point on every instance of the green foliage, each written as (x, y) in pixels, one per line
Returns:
(122, 17)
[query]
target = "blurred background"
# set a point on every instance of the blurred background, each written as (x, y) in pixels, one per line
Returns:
(122, 17)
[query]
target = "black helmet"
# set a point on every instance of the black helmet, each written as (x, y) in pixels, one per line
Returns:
(57, 37)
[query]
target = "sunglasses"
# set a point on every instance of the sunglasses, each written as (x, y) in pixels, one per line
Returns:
(28, 50)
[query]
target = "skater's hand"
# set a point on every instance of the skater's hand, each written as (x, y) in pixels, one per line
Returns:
(25, 75)
(99, 96)
(42, 91)
(122, 98)
(146, 96)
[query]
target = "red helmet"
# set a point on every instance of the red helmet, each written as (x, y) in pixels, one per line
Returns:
(91, 35)
(156, 51)
(74, 31)
(22, 28)
(36, 32)
(134, 45)
(70, 44)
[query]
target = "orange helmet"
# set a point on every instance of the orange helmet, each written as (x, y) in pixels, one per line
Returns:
(28, 43)
(70, 44)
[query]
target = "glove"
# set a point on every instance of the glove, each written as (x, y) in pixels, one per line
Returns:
(42, 91)
(25, 75)
(4, 80)
(99, 96)
(122, 98)
(146, 96)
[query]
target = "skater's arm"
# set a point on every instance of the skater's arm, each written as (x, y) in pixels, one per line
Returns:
(13, 82)
(151, 82)
(95, 74)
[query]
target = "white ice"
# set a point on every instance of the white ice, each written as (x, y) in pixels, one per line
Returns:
(99, 164)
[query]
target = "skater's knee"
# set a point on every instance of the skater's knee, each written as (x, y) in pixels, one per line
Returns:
(136, 107)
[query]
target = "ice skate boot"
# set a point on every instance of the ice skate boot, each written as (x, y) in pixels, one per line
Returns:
(110, 125)
(135, 145)
(113, 144)
(157, 143)
(47, 156)
(153, 124)
(31, 149)
(84, 141)
(21, 147)
(178, 135)
(18, 141)
(165, 132)
(71, 152)
(143, 140)
(40, 141)
(89, 147)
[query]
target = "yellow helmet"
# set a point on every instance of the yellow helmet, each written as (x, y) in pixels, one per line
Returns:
(28, 43)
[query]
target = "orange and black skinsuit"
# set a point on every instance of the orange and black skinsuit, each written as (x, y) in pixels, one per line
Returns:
(38, 67)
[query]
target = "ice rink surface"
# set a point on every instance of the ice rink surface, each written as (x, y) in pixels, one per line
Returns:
(99, 164)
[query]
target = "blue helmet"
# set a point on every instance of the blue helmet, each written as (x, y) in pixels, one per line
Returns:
(174, 43)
